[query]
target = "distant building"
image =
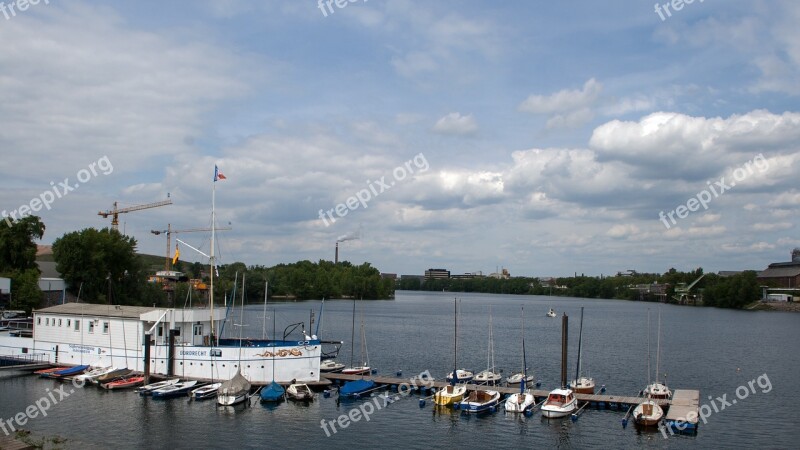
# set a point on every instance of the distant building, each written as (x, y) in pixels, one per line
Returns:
(783, 274)
(468, 275)
(437, 273)
(391, 276)
(627, 273)
(502, 275)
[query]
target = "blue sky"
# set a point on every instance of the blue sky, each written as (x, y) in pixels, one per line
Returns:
(553, 133)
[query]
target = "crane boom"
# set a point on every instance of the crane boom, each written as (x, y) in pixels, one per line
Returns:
(169, 232)
(114, 213)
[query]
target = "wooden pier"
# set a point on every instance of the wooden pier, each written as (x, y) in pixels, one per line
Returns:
(683, 404)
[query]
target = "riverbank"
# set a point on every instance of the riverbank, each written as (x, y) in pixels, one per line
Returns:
(775, 306)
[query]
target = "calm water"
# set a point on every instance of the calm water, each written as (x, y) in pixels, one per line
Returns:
(715, 351)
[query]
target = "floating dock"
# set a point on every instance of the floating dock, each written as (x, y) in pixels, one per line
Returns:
(682, 408)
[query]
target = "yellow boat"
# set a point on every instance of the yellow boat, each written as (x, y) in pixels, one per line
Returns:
(449, 395)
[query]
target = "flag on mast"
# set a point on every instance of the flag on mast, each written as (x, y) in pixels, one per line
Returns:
(217, 174)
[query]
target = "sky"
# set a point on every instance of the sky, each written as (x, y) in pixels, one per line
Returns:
(547, 138)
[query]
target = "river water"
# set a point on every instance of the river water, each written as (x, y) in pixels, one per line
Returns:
(713, 350)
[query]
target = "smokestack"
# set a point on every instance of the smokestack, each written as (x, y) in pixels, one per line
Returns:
(336, 259)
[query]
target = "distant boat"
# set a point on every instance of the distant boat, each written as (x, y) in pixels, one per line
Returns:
(123, 383)
(649, 413)
(272, 393)
(655, 389)
(453, 392)
(174, 390)
(364, 368)
(523, 400)
(581, 384)
(300, 392)
(489, 377)
(551, 313)
(205, 392)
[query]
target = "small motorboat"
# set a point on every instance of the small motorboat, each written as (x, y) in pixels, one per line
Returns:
(112, 375)
(464, 376)
(174, 390)
(356, 388)
(647, 414)
(94, 373)
(50, 370)
(519, 402)
(272, 393)
(560, 403)
(657, 390)
(300, 392)
(551, 313)
(147, 390)
(123, 383)
(330, 366)
(479, 401)
(205, 392)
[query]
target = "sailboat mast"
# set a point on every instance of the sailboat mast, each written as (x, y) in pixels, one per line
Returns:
(353, 336)
(564, 342)
(454, 379)
(264, 324)
(658, 345)
(580, 339)
(524, 361)
(648, 347)
(211, 259)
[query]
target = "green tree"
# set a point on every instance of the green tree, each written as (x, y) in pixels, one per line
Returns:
(17, 244)
(102, 262)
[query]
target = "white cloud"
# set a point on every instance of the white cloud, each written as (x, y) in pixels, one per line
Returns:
(772, 226)
(456, 124)
(563, 101)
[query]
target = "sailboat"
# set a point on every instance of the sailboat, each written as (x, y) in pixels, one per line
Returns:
(364, 368)
(581, 384)
(356, 388)
(489, 376)
(551, 313)
(656, 389)
(273, 392)
(648, 413)
(561, 402)
(524, 399)
(453, 392)
(235, 390)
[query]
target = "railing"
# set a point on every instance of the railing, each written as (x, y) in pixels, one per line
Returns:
(23, 359)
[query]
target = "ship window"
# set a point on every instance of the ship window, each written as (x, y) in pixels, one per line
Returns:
(69, 323)
(38, 321)
(47, 321)
(91, 326)
(105, 327)
(77, 325)
(59, 322)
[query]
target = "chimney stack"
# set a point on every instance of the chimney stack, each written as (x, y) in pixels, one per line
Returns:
(336, 259)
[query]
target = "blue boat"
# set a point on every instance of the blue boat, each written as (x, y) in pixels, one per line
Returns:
(66, 372)
(273, 392)
(356, 388)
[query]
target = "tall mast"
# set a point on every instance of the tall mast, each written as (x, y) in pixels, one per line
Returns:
(580, 339)
(648, 347)
(211, 259)
(264, 324)
(524, 361)
(454, 380)
(353, 335)
(658, 345)
(564, 342)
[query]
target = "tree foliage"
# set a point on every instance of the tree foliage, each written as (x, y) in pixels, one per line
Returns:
(18, 260)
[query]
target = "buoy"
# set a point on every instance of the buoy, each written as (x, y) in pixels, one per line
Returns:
(455, 406)
(602, 388)
(574, 417)
(326, 393)
(374, 371)
(422, 403)
(624, 423)
(399, 373)
(538, 384)
(492, 409)
(528, 413)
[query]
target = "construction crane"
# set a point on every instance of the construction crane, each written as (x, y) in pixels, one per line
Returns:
(169, 232)
(114, 213)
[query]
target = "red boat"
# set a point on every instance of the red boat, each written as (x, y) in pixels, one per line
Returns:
(124, 383)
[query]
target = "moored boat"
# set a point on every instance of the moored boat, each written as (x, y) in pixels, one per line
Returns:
(94, 373)
(233, 391)
(112, 375)
(124, 383)
(522, 401)
(453, 392)
(581, 384)
(560, 403)
(356, 388)
(272, 393)
(175, 390)
(648, 414)
(478, 401)
(461, 375)
(330, 366)
(300, 392)
(68, 372)
(148, 389)
(551, 313)
(205, 392)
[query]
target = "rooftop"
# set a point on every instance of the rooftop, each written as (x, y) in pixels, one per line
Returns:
(89, 309)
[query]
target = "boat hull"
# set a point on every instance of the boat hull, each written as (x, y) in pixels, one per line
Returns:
(480, 401)
(449, 395)
(519, 403)
(231, 399)
(648, 414)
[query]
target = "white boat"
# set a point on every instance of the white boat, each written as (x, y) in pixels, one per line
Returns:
(300, 392)
(655, 389)
(479, 401)
(648, 414)
(523, 400)
(453, 392)
(516, 379)
(581, 384)
(364, 368)
(204, 392)
(233, 391)
(174, 390)
(330, 366)
(551, 313)
(94, 373)
(148, 389)
(489, 377)
(560, 403)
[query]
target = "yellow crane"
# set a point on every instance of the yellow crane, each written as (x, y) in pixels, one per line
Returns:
(169, 232)
(114, 213)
